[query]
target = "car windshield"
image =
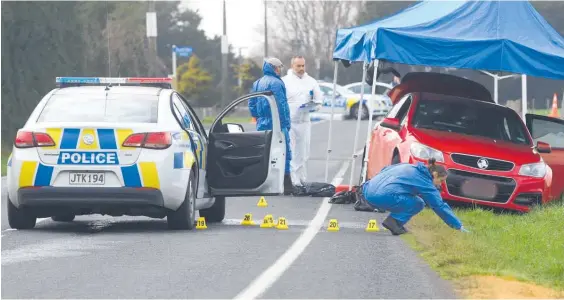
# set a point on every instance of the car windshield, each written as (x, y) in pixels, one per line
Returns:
(116, 108)
(469, 117)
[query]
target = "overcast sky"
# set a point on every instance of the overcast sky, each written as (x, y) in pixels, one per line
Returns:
(243, 19)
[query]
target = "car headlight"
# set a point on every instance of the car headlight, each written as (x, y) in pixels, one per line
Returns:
(537, 170)
(423, 152)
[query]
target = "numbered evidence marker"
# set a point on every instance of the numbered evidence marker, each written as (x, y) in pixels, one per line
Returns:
(248, 220)
(333, 225)
(282, 225)
(267, 222)
(201, 223)
(262, 202)
(372, 226)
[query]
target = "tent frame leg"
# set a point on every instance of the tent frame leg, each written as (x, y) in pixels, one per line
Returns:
(329, 133)
(359, 114)
(364, 167)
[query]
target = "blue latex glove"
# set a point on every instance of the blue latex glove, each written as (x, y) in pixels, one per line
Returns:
(303, 105)
(463, 229)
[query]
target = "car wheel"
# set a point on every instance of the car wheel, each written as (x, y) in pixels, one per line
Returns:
(216, 213)
(19, 218)
(396, 159)
(63, 218)
(185, 216)
(354, 112)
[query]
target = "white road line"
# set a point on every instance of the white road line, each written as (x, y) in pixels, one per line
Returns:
(270, 275)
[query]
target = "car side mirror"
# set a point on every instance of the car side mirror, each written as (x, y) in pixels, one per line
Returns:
(391, 123)
(543, 147)
(234, 128)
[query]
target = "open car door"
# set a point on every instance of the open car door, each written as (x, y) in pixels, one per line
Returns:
(246, 163)
(551, 131)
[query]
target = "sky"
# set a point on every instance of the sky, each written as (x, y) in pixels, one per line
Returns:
(244, 17)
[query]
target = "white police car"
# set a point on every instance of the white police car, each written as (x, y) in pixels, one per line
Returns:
(134, 146)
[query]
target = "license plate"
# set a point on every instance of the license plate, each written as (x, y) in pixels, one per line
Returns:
(87, 178)
(479, 189)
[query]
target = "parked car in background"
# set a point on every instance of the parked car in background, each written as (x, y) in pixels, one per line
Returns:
(380, 104)
(493, 158)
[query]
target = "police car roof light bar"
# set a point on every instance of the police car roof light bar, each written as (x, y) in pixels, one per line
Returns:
(162, 82)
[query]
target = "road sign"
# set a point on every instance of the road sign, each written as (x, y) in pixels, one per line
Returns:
(183, 51)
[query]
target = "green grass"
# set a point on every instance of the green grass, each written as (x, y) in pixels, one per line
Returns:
(527, 247)
(543, 112)
(4, 162)
(237, 120)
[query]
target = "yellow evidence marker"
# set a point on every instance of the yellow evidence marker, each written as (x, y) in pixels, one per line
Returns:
(282, 224)
(333, 225)
(262, 202)
(201, 223)
(267, 222)
(248, 220)
(372, 226)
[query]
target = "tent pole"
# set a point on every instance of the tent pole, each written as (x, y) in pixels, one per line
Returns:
(524, 96)
(369, 129)
(331, 120)
(496, 90)
(359, 114)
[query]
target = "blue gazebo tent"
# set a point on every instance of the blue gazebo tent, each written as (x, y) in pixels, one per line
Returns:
(508, 36)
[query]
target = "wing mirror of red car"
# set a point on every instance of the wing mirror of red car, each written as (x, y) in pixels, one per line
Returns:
(391, 123)
(543, 147)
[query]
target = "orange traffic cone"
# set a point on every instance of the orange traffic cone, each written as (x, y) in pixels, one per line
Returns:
(554, 112)
(254, 120)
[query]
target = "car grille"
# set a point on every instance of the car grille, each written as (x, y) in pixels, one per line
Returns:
(505, 186)
(472, 161)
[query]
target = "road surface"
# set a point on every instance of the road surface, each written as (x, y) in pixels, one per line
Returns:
(127, 257)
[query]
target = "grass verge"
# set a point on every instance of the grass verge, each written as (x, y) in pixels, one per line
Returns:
(527, 248)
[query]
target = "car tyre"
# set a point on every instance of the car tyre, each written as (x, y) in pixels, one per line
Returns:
(354, 112)
(185, 216)
(63, 218)
(216, 213)
(19, 218)
(396, 159)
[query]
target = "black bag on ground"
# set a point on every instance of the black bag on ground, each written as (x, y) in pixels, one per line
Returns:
(315, 189)
(344, 197)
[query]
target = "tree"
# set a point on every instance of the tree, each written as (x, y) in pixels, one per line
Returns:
(193, 80)
(248, 72)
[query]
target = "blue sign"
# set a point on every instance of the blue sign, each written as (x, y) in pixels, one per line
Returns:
(183, 51)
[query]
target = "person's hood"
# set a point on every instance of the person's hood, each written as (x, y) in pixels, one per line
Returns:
(423, 169)
(268, 69)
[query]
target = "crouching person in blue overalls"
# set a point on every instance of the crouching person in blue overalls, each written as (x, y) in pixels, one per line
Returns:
(404, 189)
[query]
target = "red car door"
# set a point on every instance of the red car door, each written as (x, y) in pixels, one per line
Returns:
(551, 131)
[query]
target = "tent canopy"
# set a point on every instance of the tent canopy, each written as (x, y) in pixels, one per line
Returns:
(508, 36)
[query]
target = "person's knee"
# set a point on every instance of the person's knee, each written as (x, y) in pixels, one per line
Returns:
(418, 204)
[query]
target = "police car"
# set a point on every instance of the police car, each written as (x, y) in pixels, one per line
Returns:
(134, 146)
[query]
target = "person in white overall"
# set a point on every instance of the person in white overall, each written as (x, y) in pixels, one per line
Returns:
(304, 96)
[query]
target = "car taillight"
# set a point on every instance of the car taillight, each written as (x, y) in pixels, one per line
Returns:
(151, 140)
(28, 139)
(157, 140)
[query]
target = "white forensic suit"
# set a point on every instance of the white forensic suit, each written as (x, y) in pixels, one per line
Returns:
(298, 93)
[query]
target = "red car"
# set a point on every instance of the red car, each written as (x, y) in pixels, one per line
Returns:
(492, 156)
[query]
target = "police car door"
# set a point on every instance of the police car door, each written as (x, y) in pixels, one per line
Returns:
(243, 163)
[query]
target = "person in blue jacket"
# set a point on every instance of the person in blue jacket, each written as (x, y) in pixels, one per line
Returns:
(260, 109)
(404, 189)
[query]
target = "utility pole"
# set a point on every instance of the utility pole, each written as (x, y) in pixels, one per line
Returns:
(224, 53)
(265, 32)
(152, 36)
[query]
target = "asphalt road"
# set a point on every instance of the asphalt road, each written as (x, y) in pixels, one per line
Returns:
(126, 257)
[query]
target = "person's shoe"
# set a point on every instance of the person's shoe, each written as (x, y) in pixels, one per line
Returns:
(393, 226)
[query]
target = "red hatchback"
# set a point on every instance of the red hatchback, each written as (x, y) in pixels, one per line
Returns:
(492, 156)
